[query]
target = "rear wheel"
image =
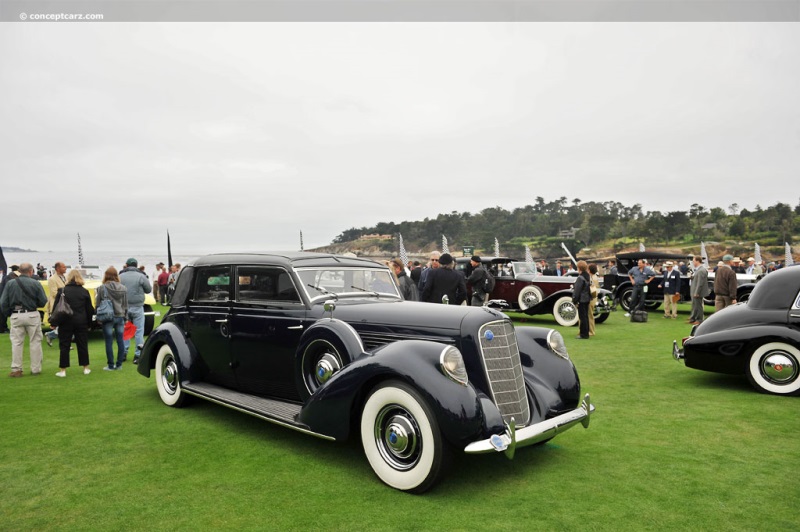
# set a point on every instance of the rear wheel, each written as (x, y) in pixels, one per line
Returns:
(167, 379)
(774, 369)
(565, 312)
(625, 298)
(600, 317)
(529, 296)
(401, 438)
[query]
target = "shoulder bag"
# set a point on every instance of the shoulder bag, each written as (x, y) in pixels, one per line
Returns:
(61, 310)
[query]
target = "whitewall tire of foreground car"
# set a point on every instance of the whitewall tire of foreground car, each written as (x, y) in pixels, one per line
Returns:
(401, 438)
(167, 381)
(774, 369)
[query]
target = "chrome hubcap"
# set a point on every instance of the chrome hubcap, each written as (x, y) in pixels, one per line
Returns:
(398, 439)
(568, 311)
(326, 367)
(169, 375)
(779, 367)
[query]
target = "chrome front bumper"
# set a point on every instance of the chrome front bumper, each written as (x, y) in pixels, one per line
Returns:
(512, 438)
(677, 353)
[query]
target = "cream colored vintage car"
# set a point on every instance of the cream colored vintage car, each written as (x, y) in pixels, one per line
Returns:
(92, 281)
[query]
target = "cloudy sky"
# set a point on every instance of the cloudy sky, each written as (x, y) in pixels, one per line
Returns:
(238, 136)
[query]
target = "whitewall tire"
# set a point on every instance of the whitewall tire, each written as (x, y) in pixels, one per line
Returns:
(529, 296)
(774, 368)
(167, 378)
(401, 438)
(566, 312)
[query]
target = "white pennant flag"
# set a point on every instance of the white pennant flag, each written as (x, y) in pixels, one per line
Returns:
(641, 246)
(445, 249)
(403, 254)
(703, 254)
(788, 260)
(496, 247)
(757, 254)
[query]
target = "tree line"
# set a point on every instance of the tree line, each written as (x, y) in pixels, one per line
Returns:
(544, 225)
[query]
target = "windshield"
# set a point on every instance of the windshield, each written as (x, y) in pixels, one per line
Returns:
(336, 282)
(524, 267)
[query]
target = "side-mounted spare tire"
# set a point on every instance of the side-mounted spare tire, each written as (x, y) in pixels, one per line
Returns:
(325, 348)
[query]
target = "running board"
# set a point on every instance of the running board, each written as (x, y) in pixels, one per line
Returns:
(278, 412)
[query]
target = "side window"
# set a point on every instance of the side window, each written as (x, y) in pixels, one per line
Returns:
(258, 284)
(213, 284)
(182, 287)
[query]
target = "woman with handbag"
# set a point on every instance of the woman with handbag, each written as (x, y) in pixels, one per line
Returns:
(114, 293)
(79, 300)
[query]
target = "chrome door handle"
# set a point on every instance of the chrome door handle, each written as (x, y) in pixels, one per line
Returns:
(222, 321)
(295, 328)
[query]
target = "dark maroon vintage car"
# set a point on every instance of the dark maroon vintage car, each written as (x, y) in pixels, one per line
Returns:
(519, 287)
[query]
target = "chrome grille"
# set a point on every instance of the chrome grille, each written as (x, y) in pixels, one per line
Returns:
(501, 361)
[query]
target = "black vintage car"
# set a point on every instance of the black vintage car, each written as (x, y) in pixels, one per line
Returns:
(325, 345)
(621, 287)
(760, 338)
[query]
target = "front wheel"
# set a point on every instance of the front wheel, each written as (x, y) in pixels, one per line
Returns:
(401, 438)
(565, 312)
(774, 369)
(600, 317)
(167, 381)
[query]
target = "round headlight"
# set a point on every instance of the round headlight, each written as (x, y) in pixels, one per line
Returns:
(453, 365)
(556, 343)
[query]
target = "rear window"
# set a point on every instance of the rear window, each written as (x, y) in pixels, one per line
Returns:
(772, 292)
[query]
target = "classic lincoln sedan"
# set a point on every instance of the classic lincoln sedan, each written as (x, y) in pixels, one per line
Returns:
(325, 345)
(760, 338)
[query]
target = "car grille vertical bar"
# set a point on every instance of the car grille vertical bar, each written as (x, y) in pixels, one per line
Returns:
(500, 353)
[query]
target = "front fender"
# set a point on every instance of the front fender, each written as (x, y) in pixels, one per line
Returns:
(545, 306)
(552, 380)
(460, 410)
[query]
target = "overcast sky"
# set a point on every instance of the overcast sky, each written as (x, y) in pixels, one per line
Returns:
(238, 136)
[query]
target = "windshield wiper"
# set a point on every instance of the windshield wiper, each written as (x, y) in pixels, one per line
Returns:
(374, 293)
(324, 291)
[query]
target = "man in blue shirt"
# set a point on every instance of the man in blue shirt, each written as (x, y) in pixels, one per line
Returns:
(640, 277)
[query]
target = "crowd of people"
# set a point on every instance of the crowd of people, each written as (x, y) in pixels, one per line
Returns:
(22, 294)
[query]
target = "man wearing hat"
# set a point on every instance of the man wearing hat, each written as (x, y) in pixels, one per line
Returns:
(725, 284)
(671, 283)
(444, 281)
(477, 281)
(737, 265)
(138, 285)
(56, 282)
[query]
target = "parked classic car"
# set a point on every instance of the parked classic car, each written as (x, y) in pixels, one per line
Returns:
(621, 287)
(325, 345)
(760, 338)
(92, 280)
(520, 287)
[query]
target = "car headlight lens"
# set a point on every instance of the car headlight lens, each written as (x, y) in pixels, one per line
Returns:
(453, 365)
(556, 343)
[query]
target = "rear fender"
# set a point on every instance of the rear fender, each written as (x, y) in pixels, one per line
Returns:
(336, 405)
(183, 349)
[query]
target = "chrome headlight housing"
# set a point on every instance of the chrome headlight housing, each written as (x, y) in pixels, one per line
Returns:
(452, 364)
(556, 343)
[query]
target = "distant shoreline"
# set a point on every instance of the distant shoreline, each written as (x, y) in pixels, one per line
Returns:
(11, 249)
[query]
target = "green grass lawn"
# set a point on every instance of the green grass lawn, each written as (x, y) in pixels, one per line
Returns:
(668, 448)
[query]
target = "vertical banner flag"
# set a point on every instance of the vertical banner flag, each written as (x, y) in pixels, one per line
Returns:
(703, 254)
(445, 249)
(757, 254)
(301, 241)
(80, 252)
(529, 258)
(788, 259)
(496, 247)
(641, 246)
(3, 263)
(169, 252)
(403, 254)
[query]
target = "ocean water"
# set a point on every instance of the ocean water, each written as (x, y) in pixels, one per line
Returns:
(93, 260)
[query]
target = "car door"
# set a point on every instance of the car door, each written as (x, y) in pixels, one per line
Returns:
(208, 327)
(267, 322)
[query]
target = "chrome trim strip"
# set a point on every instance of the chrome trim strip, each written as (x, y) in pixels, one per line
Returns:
(532, 434)
(259, 416)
